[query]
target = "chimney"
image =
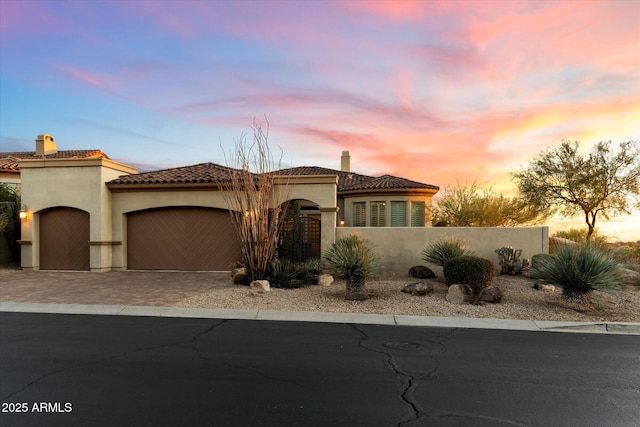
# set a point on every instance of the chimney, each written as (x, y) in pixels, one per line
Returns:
(45, 144)
(345, 162)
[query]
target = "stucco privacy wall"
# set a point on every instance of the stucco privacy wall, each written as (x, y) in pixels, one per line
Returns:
(75, 183)
(400, 247)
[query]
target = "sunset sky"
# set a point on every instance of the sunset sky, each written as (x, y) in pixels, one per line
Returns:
(439, 92)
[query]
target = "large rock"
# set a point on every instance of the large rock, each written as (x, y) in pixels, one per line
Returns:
(325, 280)
(421, 272)
(491, 294)
(260, 286)
(459, 294)
(418, 288)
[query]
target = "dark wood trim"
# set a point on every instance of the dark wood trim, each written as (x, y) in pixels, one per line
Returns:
(104, 243)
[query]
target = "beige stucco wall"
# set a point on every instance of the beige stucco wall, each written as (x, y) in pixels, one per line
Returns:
(400, 247)
(75, 183)
(319, 190)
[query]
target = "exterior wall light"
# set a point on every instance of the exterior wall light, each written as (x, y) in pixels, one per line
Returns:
(342, 223)
(23, 212)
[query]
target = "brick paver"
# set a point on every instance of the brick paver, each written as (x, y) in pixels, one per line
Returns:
(111, 288)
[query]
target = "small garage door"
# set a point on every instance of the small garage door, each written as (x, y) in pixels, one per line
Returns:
(181, 239)
(64, 239)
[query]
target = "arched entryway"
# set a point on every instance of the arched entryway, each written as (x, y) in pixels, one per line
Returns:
(301, 234)
(64, 239)
(181, 238)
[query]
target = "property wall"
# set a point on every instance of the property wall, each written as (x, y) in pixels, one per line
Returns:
(400, 247)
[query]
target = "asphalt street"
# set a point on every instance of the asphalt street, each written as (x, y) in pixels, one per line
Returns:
(81, 370)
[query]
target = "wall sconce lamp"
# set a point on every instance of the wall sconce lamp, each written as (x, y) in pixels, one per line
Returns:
(23, 212)
(342, 223)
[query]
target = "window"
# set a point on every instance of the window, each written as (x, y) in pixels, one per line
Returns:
(378, 214)
(398, 214)
(359, 214)
(417, 214)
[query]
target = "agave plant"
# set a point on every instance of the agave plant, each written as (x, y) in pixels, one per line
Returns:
(353, 259)
(578, 270)
(444, 249)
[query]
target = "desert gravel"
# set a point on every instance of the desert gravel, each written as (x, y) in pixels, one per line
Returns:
(520, 301)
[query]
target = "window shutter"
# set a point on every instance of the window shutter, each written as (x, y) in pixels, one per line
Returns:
(417, 214)
(398, 214)
(378, 214)
(359, 214)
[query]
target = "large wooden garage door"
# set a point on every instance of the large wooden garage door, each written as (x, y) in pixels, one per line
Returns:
(181, 239)
(64, 239)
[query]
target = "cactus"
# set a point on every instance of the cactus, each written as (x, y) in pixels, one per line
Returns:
(510, 260)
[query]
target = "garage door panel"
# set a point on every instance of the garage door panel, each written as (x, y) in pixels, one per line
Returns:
(181, 239)
(64, 239)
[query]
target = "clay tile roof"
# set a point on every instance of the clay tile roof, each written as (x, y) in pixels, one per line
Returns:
(9, 161)
(201, 173)
(389, 182)
(345, 179)
(349, 181)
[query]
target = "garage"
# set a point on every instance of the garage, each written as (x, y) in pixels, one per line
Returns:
(181, 238)
(64, 239)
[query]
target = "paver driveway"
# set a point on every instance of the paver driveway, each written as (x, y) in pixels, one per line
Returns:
(111, 288)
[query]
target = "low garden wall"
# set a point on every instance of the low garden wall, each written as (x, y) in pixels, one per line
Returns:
(400, 247)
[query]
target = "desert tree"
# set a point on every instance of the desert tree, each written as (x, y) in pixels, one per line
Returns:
(604, 181)
(256, 197)
(9, 217)
(470, 206)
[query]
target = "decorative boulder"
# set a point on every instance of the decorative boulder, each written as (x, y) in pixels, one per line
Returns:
(325, 280)
(548, 288)
(421, 272)
(260, 286)
(418, 289)
(237, 270)
(491, 294)
(459, 294)
(542, 286)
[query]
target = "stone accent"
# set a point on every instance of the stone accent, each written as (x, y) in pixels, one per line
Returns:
(325, 280)
(418, 289)
(237, 270)
(260, 286)
(459, 294)
(491, 294)
(421, 272)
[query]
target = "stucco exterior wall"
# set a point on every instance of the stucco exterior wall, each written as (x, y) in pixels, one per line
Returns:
(75, 183)
(400, 247)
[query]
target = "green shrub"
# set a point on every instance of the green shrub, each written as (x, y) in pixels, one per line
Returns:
(510, 261)
(444, 249)
(240, 279)
(352, 258)
(578, 270)
(285, 274)
(469, 270)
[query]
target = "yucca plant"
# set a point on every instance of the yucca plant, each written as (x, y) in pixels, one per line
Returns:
(353, 259)
(444, 249)
(578, 270)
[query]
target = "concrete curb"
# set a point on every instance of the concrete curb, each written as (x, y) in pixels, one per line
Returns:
(303, 316)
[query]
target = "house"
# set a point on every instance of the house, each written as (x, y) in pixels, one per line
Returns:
(85, 211)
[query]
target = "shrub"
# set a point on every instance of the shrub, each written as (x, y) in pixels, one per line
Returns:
(352, 257)
(240, 279)
(578, 270)
(444, 249)
(469, 270)
(510, 261)
(285, 274)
